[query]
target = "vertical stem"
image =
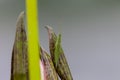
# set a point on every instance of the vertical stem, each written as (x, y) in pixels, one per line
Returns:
(33, 53)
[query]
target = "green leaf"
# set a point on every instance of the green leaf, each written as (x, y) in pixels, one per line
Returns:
(57, 49)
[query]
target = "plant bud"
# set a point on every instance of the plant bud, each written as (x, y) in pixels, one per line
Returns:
(62, 67)
(19, 62)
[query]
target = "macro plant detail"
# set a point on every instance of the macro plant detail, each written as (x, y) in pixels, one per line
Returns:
(53, 66)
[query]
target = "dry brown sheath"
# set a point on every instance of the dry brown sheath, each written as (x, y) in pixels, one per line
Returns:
(62, 66)
(49, 67)
(19, 62)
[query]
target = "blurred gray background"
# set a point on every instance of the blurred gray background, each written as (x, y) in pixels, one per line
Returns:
(90, 35)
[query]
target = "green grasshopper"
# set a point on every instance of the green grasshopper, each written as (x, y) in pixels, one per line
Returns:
(19, 62)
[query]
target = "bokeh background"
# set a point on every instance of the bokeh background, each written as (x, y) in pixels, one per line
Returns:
(90, 35)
